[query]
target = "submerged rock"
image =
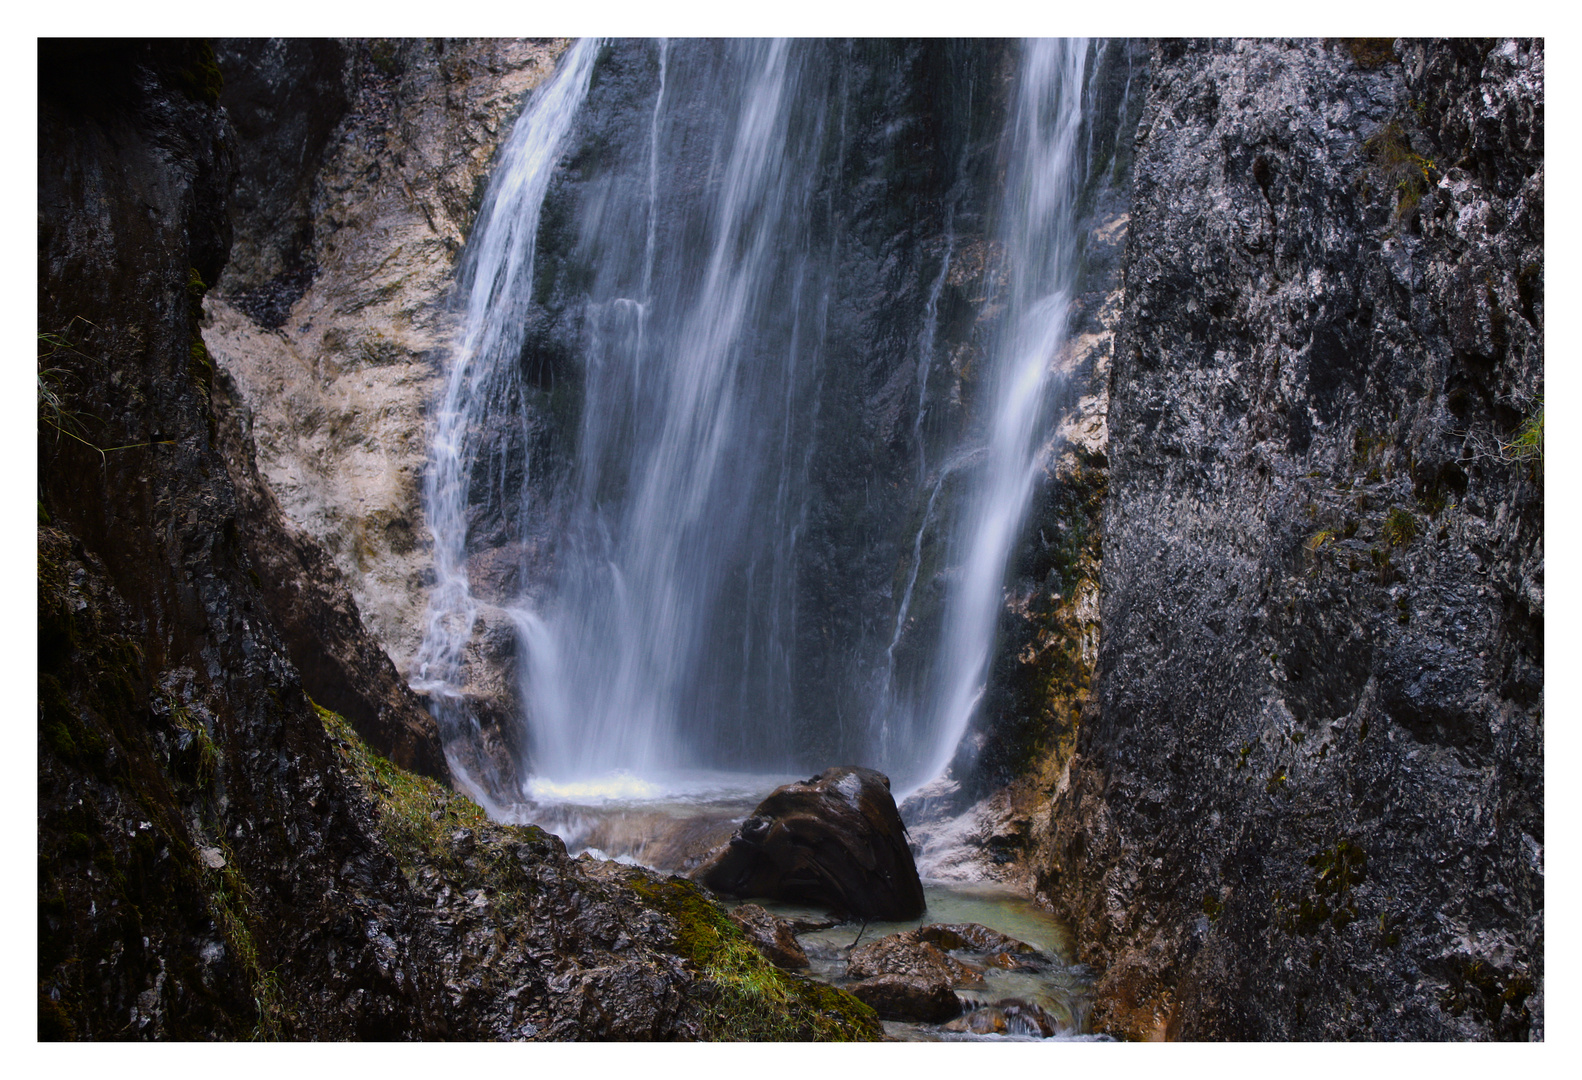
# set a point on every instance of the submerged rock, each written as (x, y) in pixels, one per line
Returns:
(835, 840)
(1012, 1016)
(986, 1021)
(775, 937)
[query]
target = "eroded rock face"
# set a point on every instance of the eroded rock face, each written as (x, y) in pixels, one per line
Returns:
(217, 860)
(307, 599)
(835, 840)
(1310, 803)
(333, 317)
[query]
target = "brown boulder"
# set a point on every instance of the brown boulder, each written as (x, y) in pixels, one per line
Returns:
(835, 841)
(973, 936)
(904, 954)
(774, 936)
(903, 997)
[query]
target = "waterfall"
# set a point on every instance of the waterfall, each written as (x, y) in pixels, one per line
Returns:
(679, 306)
(1038, 231)
(482, 393)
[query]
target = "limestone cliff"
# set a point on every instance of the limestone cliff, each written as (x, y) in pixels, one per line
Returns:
(332, 316)
(1310, 801)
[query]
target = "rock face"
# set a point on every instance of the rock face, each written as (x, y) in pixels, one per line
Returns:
(217, 859)
(1310, 801)
(332, 317)
(835, 841)
(307, 599)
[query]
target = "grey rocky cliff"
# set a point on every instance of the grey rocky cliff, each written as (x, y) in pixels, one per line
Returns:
(333, 316)
(1310, 801)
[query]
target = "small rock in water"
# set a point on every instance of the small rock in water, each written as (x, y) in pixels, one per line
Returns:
(904, 954)
(804, 925)
(903, 997)
(974, 936)
(835, 841)
(773, 936)
(985, 1021)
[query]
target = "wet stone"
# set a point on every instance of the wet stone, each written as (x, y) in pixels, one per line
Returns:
(909, 998)
(903, 954)
(773, 936)
(835, 841)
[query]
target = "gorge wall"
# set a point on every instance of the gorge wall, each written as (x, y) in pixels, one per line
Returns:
(1309, 801)
(219, 859)
(360, 167)
(1264, 718)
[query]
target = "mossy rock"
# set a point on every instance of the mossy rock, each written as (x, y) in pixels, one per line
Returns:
(744, 997)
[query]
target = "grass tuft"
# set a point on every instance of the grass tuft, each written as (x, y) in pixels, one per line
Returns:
(1529, 442)
(1400, 527)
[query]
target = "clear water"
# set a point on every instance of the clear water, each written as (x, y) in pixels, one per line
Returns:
(670, 830)
(1061, 990)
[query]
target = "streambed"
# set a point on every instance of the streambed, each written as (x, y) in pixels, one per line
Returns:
(670, 828)
(1058, 991)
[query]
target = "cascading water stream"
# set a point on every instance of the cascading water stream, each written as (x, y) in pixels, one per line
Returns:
(696, 277)
(483, 384)
(1039, 234)
(1037, 231)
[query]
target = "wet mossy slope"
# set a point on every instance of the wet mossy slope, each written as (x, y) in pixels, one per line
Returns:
(217, 858)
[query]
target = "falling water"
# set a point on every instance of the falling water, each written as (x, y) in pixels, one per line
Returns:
(479, 419)
(699, 203)
(1038, 231)
(678, 560)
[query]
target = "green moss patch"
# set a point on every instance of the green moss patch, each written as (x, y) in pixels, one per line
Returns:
(416, 815)
(745, 997)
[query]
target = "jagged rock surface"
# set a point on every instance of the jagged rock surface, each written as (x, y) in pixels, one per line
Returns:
(333, 318)
(305, 594)
(216, 860)
(1310, 804)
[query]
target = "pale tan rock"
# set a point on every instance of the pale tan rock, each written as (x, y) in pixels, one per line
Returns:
(341, 392)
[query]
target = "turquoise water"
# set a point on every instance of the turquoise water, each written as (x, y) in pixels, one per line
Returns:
(670, 829)
(1060, 989)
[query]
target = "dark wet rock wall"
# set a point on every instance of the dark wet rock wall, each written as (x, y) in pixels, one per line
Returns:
(217, 858)
(1310, 801)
